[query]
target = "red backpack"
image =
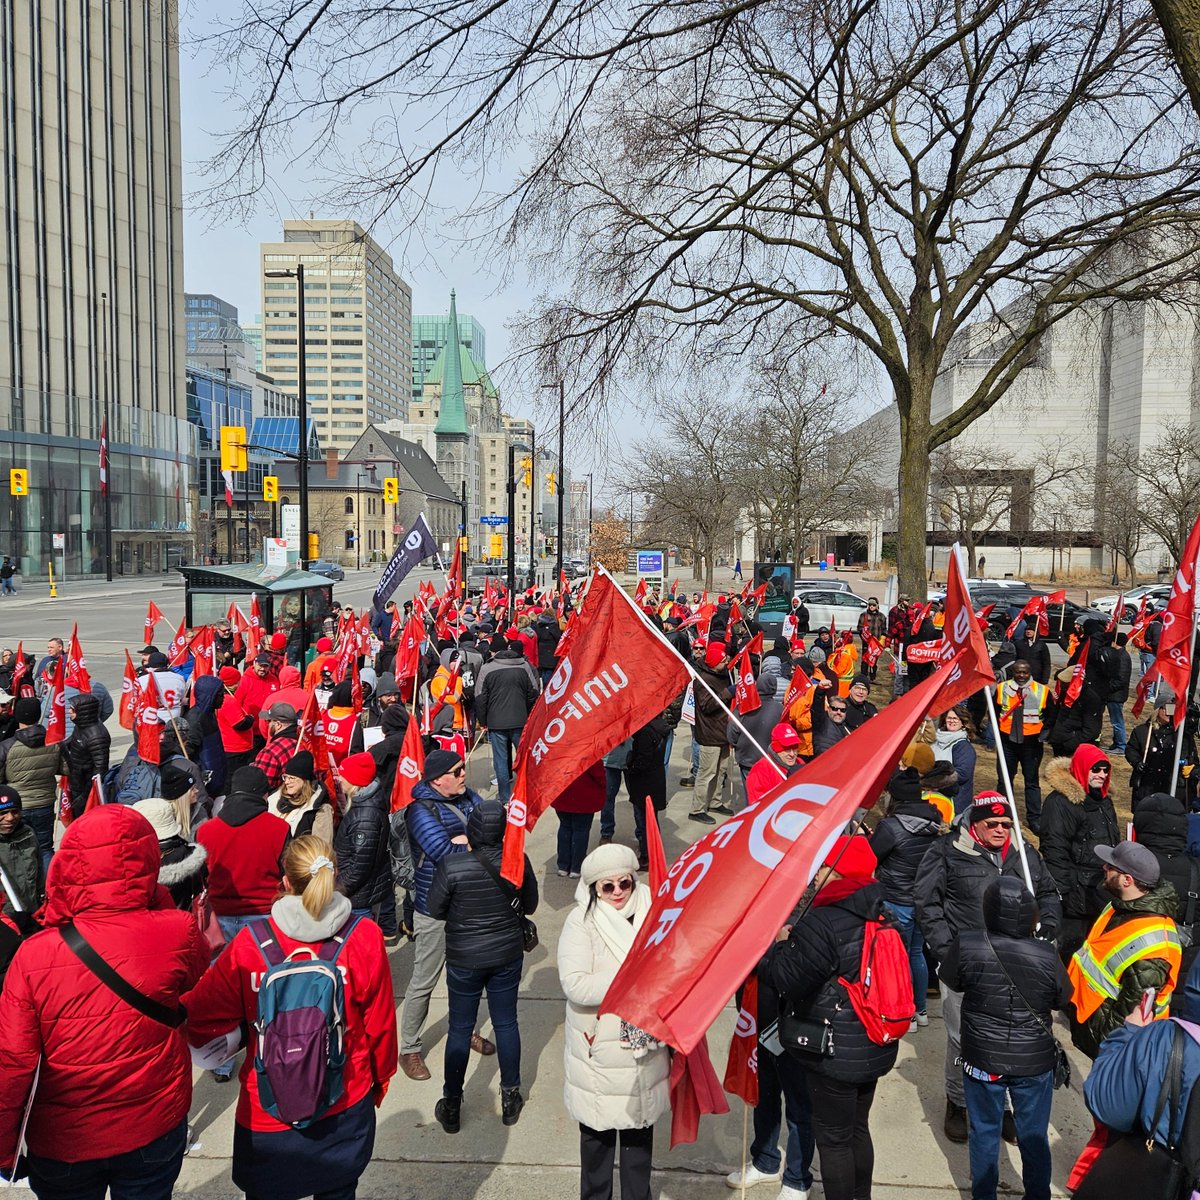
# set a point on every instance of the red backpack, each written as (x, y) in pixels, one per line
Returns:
(882, 996)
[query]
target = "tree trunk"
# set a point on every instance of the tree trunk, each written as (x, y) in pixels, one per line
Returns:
(913, 495)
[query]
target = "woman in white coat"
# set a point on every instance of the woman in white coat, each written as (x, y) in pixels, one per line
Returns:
(616, 1074)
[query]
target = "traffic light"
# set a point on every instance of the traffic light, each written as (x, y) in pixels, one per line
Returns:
(18, 481)
(314, 546)
(271, 488)
(391, 491)
(233, 447)
(526, 471)
(550, 482)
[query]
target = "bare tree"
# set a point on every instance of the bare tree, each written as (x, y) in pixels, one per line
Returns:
(1165, 481)
(1114, 493)
(888, 172)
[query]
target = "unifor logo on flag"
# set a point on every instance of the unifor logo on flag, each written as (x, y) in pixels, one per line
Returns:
(619, 674)
(418, 544)
(1173, 661)
(719, 908)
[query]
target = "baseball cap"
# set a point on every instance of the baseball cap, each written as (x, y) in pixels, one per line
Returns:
(278, 712)
(784, 737)
(1131, 858)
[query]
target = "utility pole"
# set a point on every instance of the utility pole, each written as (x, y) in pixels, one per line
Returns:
(558, 564)
(108, 436)
(512, 525)
(589, 545)
(533, 492)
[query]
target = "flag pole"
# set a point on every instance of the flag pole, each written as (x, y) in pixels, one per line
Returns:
(1181, 718)
(1001, 761)
(691, 670)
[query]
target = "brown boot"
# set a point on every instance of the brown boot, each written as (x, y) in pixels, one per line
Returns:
(955, 1126)
(413, 1065)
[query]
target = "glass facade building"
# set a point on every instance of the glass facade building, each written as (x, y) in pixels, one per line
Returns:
(429, 338)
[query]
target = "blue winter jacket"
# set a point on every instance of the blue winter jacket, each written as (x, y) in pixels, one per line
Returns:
(431, 824)
(204, 734)
(1122, 1088)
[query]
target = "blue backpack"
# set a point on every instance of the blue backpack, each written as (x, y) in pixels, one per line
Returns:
(301, 1027)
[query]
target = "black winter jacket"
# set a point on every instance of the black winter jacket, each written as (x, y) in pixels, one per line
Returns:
(825, 943)
(184, 870)
(1000, 1033)
(1122, 665)
(900, 841)
(953, 877)
(361, 843)
(86, 750)
(505, 691)
(829, 734)
(1160, 824)
(386, 751)
(548, 637)
(711, 722)
(482, 928)
(1037, 656)
(1073, 824)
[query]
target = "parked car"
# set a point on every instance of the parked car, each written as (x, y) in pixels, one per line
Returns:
(823, 585)
(824, 606)
(1060, 621)
(1156, 595)
(322, 566)
(577, 568)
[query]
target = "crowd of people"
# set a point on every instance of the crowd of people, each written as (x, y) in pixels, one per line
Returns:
(158, 908)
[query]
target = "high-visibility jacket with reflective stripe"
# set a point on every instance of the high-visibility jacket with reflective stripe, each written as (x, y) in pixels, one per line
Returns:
(1096, 967)
(1036, 695)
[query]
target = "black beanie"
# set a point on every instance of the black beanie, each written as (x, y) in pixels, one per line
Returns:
(438, 763)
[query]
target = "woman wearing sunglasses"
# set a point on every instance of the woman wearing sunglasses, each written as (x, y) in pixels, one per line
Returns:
(616, 1074)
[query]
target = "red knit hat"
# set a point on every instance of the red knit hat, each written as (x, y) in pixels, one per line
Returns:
(357, 769)
(852, 857)
(324, 645)
(714, 654)
(278, 641)
(229, 676)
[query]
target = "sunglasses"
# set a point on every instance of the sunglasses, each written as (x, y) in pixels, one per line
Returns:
(459, 770)
(997, 824)
(609, 886)
(1101, 770)
(836, 708)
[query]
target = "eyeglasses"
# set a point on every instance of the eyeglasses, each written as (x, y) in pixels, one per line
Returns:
(1101, 770)
(838, 708)
(609, 886)
(997, 824)
(459, 770)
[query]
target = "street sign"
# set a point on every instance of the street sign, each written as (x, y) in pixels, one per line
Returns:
(289, 520)
(493, 520)
(275, 551)
(59, 540)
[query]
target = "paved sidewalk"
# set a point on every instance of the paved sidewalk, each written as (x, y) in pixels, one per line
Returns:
(538, 1158)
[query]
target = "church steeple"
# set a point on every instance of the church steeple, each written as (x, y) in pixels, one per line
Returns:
(452, 414)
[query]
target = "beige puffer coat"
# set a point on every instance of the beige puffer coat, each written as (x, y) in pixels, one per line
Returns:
(606, 1086)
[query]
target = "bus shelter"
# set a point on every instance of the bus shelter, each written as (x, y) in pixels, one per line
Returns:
(292, 602)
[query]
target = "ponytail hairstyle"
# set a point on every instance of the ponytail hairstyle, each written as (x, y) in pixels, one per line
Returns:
(310, 867)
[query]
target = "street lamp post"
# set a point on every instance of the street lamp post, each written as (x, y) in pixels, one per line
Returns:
(1053, 548)
(297, 273)
(358, 521)
(589, 545)
(533, 512)
(558, 558)
(512, 523)
(106, 320)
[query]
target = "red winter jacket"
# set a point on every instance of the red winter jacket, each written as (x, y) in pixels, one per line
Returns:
(111, 1080)
(228, 995)
(236, 725)
(586, 794)
(245, 844)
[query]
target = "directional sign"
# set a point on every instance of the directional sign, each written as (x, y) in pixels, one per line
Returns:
(493, 520)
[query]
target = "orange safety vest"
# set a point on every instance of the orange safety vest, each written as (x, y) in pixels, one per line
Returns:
(942, 803)
(1096, 967)
(799, 714)
(1006, 697)
(842, 664)
(437, 687)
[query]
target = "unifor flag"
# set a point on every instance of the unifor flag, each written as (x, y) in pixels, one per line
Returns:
(56, 722)
(129, 690)
(1117, 613)
(719, 909)
(741, 1068)
(177, 651)
(312, 739)
(618, 675)
(1173, 659)
(418, 544)
(95, 794)
(455, 574)
(1078, 675)
(745, 692)
(77, 673)
(872, 649)
(408, 652)
(147, 720)
(255, 632)
(1036, 607)
(799, 686)
(104, 457)
(962, 632)
(20, 671)
(153, 615)
(409, 767)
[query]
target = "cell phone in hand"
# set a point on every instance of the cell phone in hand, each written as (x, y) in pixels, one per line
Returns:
(1146, 1007)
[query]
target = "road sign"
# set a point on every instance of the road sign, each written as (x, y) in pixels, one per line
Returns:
(275, 552)
(493, 520)
(59, 540)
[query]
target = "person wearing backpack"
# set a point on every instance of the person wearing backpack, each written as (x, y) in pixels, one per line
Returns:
(1010, 983)
(485, 949)
(309, 1132)
(806, 967)
(115, 1079)
(948, 893)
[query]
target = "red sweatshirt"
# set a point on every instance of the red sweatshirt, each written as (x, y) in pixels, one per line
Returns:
(243, 863)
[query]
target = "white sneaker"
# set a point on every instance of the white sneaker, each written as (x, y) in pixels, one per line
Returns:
(787, 1192)
(753, 1176)
(922, 1019)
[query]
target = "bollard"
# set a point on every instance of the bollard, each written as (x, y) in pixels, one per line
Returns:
(53, 589)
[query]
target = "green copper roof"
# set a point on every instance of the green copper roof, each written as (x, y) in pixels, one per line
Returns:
(452, 413)
(474, 373)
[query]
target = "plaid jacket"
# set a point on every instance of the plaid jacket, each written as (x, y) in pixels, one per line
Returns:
(273, 755)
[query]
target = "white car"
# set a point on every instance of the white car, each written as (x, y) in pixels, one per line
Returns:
(804, 586)
(829, 606)
(1157, 595)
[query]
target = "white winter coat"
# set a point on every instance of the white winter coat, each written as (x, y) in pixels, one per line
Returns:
(606, 1086)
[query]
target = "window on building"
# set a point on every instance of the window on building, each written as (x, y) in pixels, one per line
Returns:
(350, 505)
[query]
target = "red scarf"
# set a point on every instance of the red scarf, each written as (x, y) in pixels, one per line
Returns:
(1003, 849)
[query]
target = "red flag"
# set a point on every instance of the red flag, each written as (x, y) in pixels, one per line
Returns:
(639, 593)
(153, 616)
(255, 632)
(241, 626)
(982, 614)
(66, 810)
(1141, 619)
(720, 908)
(695, 1090)
(757, 596)
(961, 632)
(1143, 693)
(312, 739)
(95, 795)
(1077, 676)
(872, 649)
(408, 653)
(735, 612)
(147, 720)
(104, 457)
(755, 644)
(177, 651)
(77, 674)
(917, 616)
(1034, 607)
(20, 669)
(609, 686)
(745, 695)
(741, 1069)
(129, 690)
(798, 687)
(454, 575)
(409, 768)
(1117, 612)
(1173, 660)
(201, 648)
(56, 725)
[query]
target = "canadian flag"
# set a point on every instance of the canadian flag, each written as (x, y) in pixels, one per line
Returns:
(228, 477)
(611, 683)
(409, 768)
